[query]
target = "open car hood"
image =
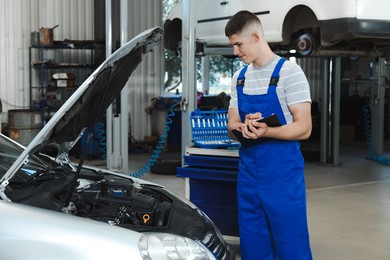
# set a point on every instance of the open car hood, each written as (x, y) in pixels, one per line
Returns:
(90, 101)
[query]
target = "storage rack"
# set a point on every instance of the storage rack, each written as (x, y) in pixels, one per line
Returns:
(76, 51)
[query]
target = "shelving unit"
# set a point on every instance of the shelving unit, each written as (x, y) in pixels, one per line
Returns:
(75, 59)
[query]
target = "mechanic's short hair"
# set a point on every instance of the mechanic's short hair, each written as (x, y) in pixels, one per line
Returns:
(238, 22)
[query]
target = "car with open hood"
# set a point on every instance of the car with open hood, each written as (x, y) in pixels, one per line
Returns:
(53, 208)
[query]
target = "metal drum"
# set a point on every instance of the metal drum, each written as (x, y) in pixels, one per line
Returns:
(24, 125)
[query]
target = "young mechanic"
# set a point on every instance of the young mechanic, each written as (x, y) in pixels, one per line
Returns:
(270, 187)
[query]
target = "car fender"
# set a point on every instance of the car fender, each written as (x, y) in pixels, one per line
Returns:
(28, 232)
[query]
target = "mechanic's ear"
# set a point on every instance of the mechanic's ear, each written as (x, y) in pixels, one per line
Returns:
(256, 36)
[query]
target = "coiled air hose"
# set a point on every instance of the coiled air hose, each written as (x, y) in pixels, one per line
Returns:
(367, 130)
(101, 136)
(159, 147)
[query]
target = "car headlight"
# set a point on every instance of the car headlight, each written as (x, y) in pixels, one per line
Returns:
(163, 246)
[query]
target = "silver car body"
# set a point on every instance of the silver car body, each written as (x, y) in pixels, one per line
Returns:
(37, 234)
(76, 212)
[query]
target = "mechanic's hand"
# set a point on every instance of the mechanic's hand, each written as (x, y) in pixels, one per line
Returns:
(250, 128)
(250, 117)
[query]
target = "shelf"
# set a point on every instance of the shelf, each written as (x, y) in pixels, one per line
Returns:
(63, 66)
(349, 81)
(71, 44)
(75, 58)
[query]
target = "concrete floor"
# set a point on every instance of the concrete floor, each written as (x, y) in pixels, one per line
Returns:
(348, 204)
(349, 207)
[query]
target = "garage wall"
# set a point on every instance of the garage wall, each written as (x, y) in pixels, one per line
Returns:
(147, 81)
(18, 18)
(313, 71)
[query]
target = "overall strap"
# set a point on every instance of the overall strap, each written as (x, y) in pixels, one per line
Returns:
(275, 74)
(241, 77)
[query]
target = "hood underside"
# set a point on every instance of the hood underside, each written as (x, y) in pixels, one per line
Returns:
(107, 83)
(92, 104)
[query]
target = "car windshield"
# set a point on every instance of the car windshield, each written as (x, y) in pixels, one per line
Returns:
(9, 152)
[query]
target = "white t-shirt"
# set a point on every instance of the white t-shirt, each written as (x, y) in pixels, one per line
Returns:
(292, 87)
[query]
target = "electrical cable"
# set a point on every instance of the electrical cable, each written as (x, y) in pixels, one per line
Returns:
(159, 147)
(367, 130)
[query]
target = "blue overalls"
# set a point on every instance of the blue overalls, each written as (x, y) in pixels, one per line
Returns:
(271, 187)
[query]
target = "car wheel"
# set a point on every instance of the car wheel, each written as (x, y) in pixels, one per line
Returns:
(305, 44)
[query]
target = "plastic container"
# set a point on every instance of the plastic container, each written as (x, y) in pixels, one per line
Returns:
(209, 129)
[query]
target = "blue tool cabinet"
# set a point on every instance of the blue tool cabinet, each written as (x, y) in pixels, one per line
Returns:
(211, 176)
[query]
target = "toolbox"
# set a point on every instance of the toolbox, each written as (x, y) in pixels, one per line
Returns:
(209, 129)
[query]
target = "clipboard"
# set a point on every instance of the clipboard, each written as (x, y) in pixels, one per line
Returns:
(271, 121)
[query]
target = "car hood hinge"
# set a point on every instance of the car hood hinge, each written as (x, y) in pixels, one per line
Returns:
(3, 185)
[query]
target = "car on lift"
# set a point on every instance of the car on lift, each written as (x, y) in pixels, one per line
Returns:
(53, 208)
(307, 26)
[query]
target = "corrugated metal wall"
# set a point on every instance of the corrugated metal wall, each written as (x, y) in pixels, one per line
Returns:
(313, 71)
(147, 81)
(18, 18)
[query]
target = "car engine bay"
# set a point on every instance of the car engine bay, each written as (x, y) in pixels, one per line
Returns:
(105, 198)
(122, 205)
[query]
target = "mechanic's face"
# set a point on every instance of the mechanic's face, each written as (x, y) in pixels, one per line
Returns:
(244, 46)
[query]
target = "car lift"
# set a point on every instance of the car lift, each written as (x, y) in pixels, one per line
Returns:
(188, 68)
(117, 122)
(331, 73)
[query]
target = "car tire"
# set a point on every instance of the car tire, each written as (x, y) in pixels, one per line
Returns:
(166, 164)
